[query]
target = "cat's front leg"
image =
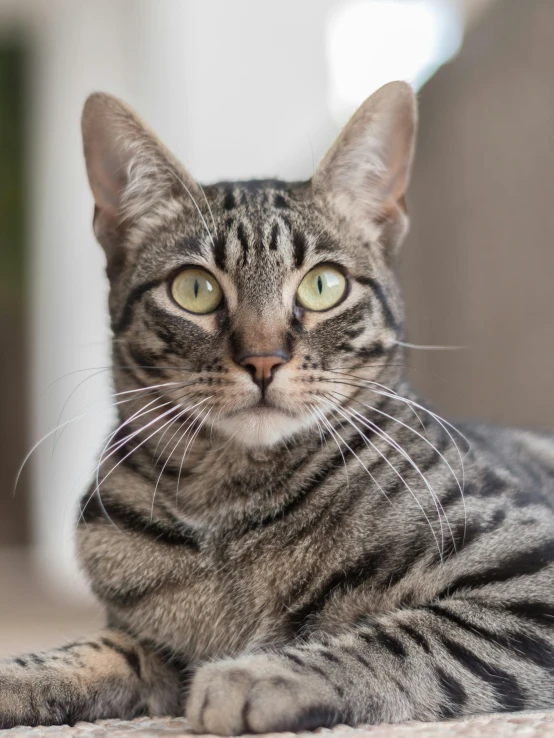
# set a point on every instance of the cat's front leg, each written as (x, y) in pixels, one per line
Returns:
(108, 676)
(450, 658)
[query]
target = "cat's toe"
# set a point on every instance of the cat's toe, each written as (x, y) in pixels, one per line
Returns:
(258, 694)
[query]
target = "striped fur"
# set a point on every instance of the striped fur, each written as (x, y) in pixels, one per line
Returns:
(341, 555)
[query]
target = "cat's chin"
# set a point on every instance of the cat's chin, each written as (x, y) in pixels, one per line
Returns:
(261, 427)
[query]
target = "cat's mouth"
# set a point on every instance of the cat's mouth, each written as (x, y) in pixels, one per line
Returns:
(263, 407)
(263, 423)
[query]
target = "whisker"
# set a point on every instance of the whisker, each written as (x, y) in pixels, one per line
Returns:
(44, 438)
(324, 421)
(189, 193)
(372, 477)
(397, 396)
(174, 448)
(445, 425)
(430, 347)
(425, 440)
(209, 206)
(156, 460)
(118, 446)
(191, 441)
(147, 390)
(367, 440)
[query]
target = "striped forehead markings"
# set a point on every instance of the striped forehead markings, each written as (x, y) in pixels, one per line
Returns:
(299, 245)
(229, 201)
(219, 248)
(243, 240)
(274, 242)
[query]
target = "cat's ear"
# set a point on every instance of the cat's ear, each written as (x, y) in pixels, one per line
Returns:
(130, 171)
(364, 175)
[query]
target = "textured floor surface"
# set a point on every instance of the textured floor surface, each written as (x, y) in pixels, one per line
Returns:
(529, 724)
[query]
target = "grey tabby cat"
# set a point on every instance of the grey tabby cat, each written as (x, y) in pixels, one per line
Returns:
(283, 535)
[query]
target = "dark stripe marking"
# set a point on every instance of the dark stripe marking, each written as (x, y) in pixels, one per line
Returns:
(522, 563)
(324, 243)
(130, 656)
(299, 244)
(505, 686)
(135, 296)
(388, 641)
(416, 636)
(530, 647)
(454, 692)
(274, 237)
(346, 578)
(379, 293)
(220, 242)
(541, 613)
(132, 520)
(243, 240)
(229, 201)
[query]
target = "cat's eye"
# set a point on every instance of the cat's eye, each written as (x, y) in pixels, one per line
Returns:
(197, 291)
(322, 288)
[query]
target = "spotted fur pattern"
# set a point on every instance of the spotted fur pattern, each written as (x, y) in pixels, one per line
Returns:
(330, 552)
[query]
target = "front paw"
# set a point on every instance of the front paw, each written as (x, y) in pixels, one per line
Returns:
(259, 694)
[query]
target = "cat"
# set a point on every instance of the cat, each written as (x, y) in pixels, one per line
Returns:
(283, 535)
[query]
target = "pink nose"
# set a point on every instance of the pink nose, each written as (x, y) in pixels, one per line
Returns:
(262, 367)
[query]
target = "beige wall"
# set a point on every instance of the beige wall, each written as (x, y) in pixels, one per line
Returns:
(478, 266)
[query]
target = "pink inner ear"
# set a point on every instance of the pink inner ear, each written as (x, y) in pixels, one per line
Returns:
(107, 181)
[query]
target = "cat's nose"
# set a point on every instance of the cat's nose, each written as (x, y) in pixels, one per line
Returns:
(262, 368)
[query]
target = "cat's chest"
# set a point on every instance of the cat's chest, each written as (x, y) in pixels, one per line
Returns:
(200, 603)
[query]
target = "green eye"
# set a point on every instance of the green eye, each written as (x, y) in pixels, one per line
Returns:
(321, 289)
(197, 291)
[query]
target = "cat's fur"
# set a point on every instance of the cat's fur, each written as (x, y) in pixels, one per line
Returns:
(314, 562)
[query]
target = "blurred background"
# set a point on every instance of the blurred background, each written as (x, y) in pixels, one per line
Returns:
(250, 88)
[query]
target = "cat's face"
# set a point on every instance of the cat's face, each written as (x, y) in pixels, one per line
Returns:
(247, 303)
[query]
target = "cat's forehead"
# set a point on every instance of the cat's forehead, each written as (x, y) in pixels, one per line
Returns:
(262, 226)
(256, 194)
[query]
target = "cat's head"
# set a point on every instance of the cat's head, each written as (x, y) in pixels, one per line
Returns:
(255, 298)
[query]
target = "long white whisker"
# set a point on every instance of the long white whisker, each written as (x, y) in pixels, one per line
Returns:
(44, 438)
(201, 402)
(372, 477)
(408, 402)
(146, 390)
(425, 440)
(209, 206)
(366, 440)
(175, 419)
(189, 193)
(397, 396)
(192, 439)
(324, 421)
(430, 347)
(119, 444)
(395, 445)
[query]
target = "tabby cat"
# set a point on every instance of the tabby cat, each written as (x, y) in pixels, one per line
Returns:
(283, 535)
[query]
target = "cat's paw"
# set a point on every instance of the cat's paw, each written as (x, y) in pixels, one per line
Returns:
(259, 694)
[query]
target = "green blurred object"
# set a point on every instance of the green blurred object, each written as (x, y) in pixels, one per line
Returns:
(14, 519)
(12, 170)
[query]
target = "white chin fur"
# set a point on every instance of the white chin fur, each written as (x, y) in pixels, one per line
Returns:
(261, 428)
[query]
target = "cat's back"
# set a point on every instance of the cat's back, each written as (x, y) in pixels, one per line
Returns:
(514, 461)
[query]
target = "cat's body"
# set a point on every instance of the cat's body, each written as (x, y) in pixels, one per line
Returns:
(277, 502)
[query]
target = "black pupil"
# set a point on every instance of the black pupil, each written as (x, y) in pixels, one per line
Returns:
(196, 287)
(320, 285)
